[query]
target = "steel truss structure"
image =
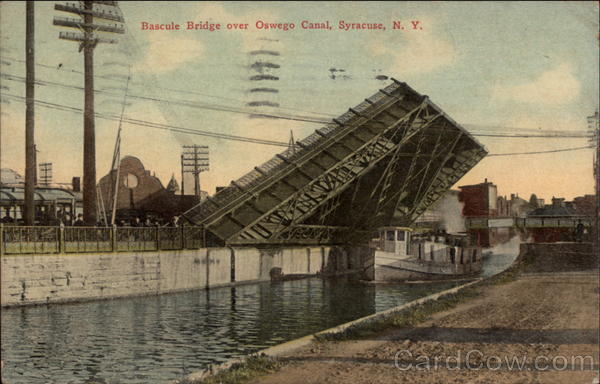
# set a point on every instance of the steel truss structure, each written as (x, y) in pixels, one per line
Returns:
(381, 163)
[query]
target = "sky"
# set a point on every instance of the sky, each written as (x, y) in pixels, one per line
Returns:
(529, 67)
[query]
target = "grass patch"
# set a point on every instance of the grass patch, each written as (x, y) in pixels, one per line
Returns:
(252, 368)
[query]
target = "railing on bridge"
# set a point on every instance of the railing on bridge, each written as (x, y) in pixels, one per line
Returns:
(40, 240)
(529, 222)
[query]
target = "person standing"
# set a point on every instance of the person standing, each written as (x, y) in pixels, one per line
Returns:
(79, 221)
(579, 229)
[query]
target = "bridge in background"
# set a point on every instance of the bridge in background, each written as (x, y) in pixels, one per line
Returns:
(381, 163)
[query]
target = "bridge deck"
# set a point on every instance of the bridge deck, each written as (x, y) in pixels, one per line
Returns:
(380, 163)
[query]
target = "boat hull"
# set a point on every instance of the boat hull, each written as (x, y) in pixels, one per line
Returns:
(414, 269)
(437, 265)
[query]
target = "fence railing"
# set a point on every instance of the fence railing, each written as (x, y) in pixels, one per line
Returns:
(529, 222)
(40, 240)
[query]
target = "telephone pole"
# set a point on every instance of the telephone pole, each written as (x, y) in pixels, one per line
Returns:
(46, 174)
(29, 114)
(594, 127)
(292, 143)
(106, 10)
(194, 160)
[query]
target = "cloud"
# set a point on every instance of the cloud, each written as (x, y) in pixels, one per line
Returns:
(12, 137)
(167, 50)
(225, 166)
(554, 86)
(419, 51)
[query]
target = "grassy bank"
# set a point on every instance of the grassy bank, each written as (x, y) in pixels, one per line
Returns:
(253, 367)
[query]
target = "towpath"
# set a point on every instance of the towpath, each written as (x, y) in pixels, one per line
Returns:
(540, 328)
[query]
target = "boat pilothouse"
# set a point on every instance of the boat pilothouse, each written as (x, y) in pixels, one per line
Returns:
(401, 254)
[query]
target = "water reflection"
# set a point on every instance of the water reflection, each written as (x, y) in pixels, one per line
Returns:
(160, 338)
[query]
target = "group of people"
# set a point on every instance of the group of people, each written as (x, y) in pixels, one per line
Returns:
(148, 222)
(64, 219)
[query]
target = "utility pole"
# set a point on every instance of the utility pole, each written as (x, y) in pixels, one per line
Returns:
(29, 114)
(46, 174)
(194, 160)
(292, 143)
(594, 126)
(182, 178)
(87, 42)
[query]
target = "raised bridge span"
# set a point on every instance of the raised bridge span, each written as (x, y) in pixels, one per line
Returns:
(381, 163)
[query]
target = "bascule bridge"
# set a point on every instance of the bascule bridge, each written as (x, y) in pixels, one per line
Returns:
(381, 163)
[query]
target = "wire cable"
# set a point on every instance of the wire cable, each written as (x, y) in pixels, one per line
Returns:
(308, 119)
(232, 137)
(542, 152)
(217, 107)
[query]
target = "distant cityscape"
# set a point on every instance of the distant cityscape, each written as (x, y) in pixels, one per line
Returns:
(141, 197)
(140, 194)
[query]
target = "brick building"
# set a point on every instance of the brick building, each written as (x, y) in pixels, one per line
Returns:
(481, 204)
(480, 200)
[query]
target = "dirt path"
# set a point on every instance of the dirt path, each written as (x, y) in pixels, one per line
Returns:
(547, 323)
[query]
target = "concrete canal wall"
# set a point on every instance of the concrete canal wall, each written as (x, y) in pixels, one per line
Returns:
(52, 278)
(558, 257)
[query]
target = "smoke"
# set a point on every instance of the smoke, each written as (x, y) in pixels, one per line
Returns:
(510, 247)
(451, 211)
(500, 257)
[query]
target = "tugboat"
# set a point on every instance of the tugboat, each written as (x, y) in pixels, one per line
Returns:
(404, 255)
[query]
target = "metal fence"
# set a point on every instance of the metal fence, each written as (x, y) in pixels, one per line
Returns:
(30, 239)
(40, 240)
(86, 239)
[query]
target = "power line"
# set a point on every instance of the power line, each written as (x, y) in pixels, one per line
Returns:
(185, 103)
(495, 128)
(148, 124)
(184, 91)
(231, 137)
(473, 127)
(562, 135)
(221, 108)
(541, 152)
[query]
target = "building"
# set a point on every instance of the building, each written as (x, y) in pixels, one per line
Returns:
(585, 205)
(173, 185)
(10, 177)
(141, 194)
(52, 205)
(515, 206)
(557, 221)
(480, 204)
(480, 200)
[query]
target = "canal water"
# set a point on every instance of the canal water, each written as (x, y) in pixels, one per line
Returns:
(160, 338)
